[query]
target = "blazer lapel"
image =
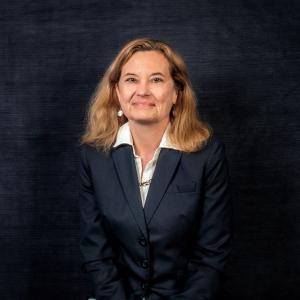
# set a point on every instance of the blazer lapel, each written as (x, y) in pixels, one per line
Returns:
(166, 165)
(126, 169)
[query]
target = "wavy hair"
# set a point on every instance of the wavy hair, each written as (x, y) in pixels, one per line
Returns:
(187, 131)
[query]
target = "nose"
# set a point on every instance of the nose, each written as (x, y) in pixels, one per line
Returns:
(143, 88)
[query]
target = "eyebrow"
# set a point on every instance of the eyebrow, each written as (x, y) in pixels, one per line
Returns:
(153, 74)
(129, 74)
(157, 73)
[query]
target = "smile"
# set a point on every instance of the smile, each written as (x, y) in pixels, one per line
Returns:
(142, 103)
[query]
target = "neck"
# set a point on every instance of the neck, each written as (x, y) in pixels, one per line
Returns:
(146, 138)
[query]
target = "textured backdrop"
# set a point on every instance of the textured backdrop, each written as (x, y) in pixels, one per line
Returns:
(243, 59)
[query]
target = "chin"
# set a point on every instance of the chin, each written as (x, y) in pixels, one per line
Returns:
(145, 121)
(144, 118)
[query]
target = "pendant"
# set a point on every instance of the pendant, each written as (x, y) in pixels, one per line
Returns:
(145, 183)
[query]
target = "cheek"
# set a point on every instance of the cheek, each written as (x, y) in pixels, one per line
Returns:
(122, 95)
(125, 94)
(167, 99)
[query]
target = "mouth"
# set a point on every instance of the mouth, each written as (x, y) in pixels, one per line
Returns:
(143, 103)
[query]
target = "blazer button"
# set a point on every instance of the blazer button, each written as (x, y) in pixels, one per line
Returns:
(142, 242)
(144, 263)
(145, 285)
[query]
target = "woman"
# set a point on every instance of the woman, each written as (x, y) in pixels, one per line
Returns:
(154, 183)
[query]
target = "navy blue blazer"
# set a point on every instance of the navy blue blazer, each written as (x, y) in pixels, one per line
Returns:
(176, 246)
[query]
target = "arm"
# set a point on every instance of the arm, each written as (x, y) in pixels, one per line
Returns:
(97, 253)
(213, 239)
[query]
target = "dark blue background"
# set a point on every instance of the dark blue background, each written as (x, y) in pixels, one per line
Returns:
(243, 59)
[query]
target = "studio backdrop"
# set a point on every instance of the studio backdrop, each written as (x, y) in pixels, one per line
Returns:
(243, 59)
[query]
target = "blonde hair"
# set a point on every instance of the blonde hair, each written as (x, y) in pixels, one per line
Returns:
(187, 131)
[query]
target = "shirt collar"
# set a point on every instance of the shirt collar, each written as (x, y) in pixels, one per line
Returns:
(124, 137)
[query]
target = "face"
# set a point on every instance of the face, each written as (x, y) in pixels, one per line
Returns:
(146, 90)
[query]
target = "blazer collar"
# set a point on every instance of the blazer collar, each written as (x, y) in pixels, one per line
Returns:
(125, 165)
(167, 163)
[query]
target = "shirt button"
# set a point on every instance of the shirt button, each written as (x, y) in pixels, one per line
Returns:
(142, 242)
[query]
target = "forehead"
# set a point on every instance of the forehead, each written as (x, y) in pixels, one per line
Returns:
(146, 62)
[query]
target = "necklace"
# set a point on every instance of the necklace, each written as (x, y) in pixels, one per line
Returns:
(145, 183)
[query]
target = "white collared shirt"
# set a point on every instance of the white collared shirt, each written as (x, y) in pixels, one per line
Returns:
(124, 137)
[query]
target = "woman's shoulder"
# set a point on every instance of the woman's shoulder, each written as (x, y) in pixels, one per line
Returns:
(87, 151)
(213, 149)
(213, 144)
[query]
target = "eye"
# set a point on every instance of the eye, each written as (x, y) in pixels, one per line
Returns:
(131, 79)
(157, 79)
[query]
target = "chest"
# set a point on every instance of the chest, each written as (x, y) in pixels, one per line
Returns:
(177, 209)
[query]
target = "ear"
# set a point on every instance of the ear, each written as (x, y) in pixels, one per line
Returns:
(116, 87)
(174, 100)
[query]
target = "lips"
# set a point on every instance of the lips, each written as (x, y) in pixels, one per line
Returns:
(143, 102)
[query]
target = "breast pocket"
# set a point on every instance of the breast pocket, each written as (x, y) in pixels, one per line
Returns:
(180, 209)
(187, 188)
(181, 188)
